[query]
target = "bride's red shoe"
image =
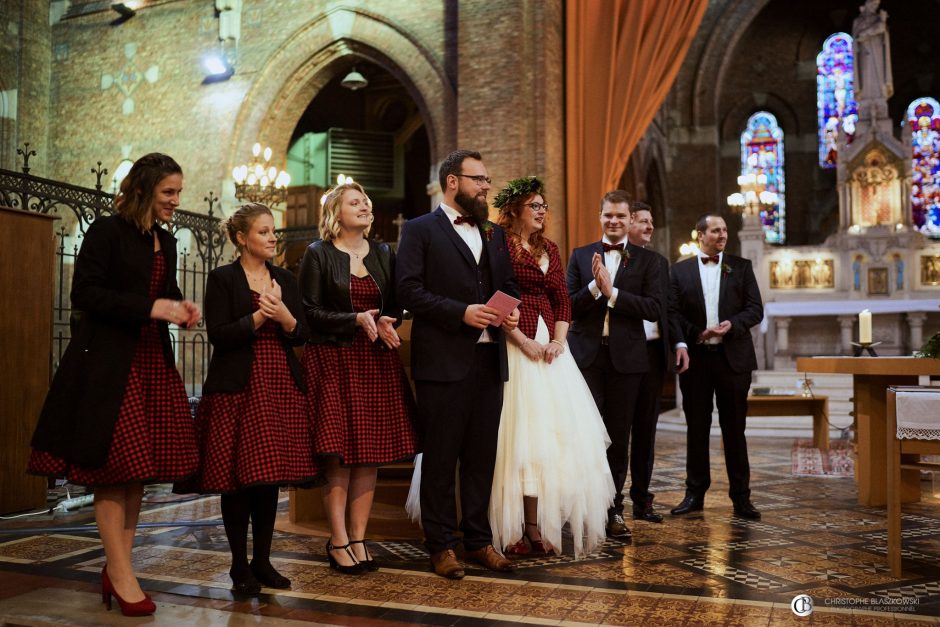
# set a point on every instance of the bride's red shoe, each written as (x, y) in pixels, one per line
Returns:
(144, 607)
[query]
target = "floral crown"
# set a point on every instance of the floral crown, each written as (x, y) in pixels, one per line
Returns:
(518, 188)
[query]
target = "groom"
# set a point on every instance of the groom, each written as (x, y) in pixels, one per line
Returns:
(450, 262)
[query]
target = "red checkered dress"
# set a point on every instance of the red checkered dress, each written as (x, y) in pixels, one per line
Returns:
(362, 405)
(260, 435)
(154, 438)
(543, 293)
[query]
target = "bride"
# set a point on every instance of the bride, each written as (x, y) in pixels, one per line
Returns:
(551, 466)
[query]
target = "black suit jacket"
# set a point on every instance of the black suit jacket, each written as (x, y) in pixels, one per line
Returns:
(111, 287)
(638, 299)
(739, 302)
(665, 331)
(231, 330)
(437, 279)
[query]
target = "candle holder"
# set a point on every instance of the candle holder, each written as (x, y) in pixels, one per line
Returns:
(868, 347)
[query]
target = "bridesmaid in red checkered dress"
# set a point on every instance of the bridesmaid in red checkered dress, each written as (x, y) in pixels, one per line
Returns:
(254, 428)
(362, 404)
(116, 415)
(549, 423)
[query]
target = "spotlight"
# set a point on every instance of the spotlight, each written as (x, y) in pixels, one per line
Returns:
(217, 68)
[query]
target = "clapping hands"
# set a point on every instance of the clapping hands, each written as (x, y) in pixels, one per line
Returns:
(184, 313)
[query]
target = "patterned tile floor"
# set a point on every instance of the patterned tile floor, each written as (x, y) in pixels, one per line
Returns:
(705, 569)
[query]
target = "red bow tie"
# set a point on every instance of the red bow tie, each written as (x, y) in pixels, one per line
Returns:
(466, 220)
(713, 259)
(610, 247)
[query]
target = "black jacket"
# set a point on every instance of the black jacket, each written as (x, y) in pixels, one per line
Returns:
(638, 298)
(111, 287)
(231, 330)
(324, 286)
(437, 278)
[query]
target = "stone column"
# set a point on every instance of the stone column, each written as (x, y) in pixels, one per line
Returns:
(783, 335)
(915, 322)
(845, 326)
(751, 236)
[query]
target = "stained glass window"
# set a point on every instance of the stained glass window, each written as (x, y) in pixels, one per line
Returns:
(835, 96)
(762, 157)
(923, 116)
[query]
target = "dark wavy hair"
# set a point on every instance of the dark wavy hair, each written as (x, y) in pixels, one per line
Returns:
(134, 202)
(510, 201)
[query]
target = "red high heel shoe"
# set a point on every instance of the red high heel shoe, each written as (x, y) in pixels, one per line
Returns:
(144, 607)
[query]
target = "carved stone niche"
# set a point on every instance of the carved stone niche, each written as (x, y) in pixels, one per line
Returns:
(875, 191)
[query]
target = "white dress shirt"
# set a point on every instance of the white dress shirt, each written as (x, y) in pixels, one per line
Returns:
(710, 273)
(612, 261)
(471, 236)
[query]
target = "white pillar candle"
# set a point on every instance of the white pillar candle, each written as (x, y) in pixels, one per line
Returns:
(864, 327)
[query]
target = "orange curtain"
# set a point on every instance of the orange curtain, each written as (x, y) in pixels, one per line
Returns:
(621, 59)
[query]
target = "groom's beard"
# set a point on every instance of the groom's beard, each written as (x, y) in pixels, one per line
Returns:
(475, 206)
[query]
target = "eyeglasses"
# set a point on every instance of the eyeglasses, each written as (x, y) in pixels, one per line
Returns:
(537, 206)
(479, 179)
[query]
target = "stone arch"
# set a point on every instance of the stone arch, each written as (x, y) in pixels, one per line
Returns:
(710, 71)
(736, 116)
(311, 56)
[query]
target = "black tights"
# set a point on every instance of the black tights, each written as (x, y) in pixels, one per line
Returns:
(258, 503)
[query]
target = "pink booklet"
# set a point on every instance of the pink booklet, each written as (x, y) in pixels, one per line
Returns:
(504, 304)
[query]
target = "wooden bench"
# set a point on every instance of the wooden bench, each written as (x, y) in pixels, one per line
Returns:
(903, 477)
(778, 405)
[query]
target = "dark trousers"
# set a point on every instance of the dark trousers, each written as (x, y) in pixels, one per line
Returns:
(615, 394)
(460, 421)
(710, 375)
(643, 433)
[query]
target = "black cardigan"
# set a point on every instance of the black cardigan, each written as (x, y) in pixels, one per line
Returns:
(231, 330)
(324, 284)
(111, 287)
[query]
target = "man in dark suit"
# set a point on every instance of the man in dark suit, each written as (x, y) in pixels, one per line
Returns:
(450, 262)
(713, 303)
(613, 286)
(643, 432)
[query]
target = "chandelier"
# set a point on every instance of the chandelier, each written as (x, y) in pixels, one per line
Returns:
(259, 181)
(754, 195)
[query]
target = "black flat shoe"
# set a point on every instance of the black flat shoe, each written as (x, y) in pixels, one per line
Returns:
(355, 568)
(648, 514)
(244, 582)
(746, 510)
(269, 577)
(688, 504)
(368, 563)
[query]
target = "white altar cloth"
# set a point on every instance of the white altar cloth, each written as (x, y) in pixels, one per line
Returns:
(782, 309)
(918, 411)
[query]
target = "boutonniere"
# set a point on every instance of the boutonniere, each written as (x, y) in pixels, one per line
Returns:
(624, 256)
(487, 230)
(725, 269)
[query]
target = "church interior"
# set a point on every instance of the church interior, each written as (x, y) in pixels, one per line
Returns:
(813, 127)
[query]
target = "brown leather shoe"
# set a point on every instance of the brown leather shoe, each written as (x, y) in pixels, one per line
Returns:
(445, 564)
(487, 556)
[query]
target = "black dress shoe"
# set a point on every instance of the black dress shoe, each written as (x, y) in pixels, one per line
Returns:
(617, 528)
(647, 514)
(688, 504)
(746, 510)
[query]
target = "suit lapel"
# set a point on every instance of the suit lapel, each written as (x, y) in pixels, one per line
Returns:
(697, 282)
(445, 224)
(622, 267)
(723, 280)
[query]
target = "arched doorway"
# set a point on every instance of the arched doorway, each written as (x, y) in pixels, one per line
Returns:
(375, 133)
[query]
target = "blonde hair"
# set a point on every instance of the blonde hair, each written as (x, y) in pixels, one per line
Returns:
(332, 205)
(242, 219)
(134, 202)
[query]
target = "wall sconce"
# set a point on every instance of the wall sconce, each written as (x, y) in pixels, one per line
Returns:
(217, 69)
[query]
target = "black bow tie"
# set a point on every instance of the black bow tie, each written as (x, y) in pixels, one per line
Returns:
(713, 259)
(466, 220)
(610, 247)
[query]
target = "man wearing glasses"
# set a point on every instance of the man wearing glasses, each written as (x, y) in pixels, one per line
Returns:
(614, 286)
(450, 262)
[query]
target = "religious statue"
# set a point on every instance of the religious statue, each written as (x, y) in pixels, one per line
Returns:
(857, 273)
(876, 192)
(873, 78)
(898, 272)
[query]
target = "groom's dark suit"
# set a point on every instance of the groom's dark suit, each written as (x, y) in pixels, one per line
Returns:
(458, 379)
(613, 365)
(723, 370)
